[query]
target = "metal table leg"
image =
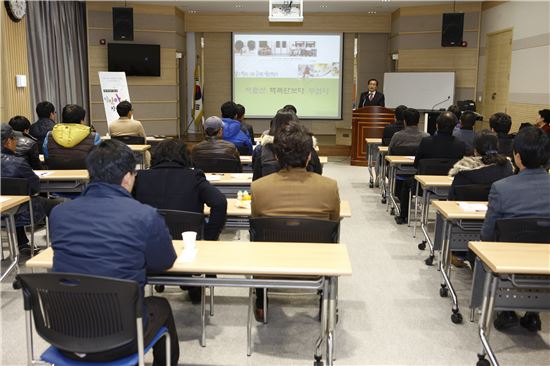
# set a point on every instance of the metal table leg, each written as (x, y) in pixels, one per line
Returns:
(324, 323)
(331, 320)
(424, 228)
(12, 245)
(445, 268)
(486, 318)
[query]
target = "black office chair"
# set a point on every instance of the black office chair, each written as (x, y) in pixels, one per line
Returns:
(292, 229)
(20, 187)
(404, 150)
(472, 192)
(523, 230)
(130, 140)
(219, 165)
(435, 166)
(180, 221)
(84, 314)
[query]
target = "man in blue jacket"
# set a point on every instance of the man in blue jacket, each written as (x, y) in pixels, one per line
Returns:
(232, 131)
(106, 232)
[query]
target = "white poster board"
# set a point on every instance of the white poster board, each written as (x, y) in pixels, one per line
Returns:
(114, 89)
(419, 90)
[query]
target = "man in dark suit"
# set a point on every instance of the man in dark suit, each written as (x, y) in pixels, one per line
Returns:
(372, 96)
(521, 195)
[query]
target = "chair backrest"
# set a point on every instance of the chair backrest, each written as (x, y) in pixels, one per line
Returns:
(523, 230)
(294, 229)
(219, 165)
(180, 221)
(82, 313)
(130, 140)
(404, 150)
(15, 186)
(243, 150)
(472, 192)
(435, 166)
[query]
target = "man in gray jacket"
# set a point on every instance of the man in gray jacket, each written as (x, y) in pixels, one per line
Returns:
(523, 195)
(406, 141)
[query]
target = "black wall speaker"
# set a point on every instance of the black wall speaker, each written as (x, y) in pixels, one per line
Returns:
(452, 29)
(123, 24)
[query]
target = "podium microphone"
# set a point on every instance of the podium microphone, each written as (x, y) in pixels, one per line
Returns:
(443, 101)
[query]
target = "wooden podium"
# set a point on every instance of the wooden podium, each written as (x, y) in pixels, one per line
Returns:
(367, 122)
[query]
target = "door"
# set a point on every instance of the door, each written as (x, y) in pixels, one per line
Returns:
(497, 77)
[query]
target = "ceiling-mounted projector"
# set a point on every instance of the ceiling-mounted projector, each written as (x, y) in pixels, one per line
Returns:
(286, 11)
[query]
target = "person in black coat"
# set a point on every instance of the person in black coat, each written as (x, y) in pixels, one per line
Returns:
(442, 145)
(501, 123)
(397, 126)
(27, 146)
(263, 157)
(46, 121)
(171, 184)
(484, 168)
(372, 96)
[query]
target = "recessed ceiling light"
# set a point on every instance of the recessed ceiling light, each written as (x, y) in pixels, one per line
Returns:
(323, 6)
(238, 5)
(371, 12)
(192, 11)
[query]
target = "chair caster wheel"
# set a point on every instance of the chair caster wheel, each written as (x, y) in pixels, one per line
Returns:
(318, 361)
(16, 285)
(444, 292)
(371, 185)
(456, 318)
(482, 362)
(384, 201)
(429, 261)
(392, 211)
(422, 245)
(159, 288)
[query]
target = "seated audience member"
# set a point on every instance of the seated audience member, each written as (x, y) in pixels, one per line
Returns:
(290, 107)
(521, 195)
(213, 147)
(27, 146)
(455, 109)
(442, 145)
(544, 120)
(394, 127)
(46, 121)
(14, 166)
(485, 167)
(465, 132)
(105, 232)
(68, 143)
(406, 141)
(232, 131)
(245, 127)
(172, 184)
(264, 161)
(501, 123)
(126, 125)
(293, 191)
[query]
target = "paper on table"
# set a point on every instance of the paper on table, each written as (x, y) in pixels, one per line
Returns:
(187, 255)
(3, 199)
(241, 176)
(410, 157)
(212, 178)
(473, 207)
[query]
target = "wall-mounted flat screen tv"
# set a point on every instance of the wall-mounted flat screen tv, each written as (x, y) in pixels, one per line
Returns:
(134, 59)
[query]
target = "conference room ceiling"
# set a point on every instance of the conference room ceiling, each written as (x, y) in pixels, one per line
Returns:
(332, 6)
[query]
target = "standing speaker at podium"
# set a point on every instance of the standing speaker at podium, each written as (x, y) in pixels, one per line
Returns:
(371, 96)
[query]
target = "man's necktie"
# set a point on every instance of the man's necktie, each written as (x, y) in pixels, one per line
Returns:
(371, 96)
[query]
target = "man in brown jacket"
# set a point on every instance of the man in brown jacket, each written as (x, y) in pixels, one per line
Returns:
(293, 191)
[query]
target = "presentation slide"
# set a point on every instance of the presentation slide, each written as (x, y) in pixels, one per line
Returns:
(272, 70)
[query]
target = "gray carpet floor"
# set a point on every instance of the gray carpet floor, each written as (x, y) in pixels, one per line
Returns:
(390, 309)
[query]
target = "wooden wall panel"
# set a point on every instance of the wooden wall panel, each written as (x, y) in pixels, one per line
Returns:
(217, 72)
(523, 112)
(450, 7)
(14, 101)
(316, 22)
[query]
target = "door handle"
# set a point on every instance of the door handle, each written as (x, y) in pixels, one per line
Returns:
(493, 96)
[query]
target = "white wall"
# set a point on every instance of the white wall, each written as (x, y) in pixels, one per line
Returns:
(530, 75)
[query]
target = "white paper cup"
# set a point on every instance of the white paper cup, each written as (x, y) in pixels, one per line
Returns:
(189, 239)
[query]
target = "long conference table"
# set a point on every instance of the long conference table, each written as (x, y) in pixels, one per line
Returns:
(232, 260)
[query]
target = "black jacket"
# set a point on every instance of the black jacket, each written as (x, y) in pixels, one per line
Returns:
(172, 186)
(378, 99)
(390, 130)
(506, 144)
(265, 163)
(485, 175)
(440, 146)
(27, 148)
(39, 129)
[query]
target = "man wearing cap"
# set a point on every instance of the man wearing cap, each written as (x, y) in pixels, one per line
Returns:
(213, 147)
(17, 167)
